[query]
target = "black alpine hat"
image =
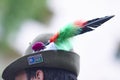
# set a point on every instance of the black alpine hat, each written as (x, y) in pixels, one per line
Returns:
(60, 59)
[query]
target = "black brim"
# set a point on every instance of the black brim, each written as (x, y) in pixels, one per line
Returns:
(66, 60)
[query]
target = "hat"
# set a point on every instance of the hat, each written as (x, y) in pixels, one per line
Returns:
(60, 59)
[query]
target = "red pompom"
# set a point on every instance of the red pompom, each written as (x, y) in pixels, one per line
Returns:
(38, 46)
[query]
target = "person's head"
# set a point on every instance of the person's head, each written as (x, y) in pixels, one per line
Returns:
(45, 74)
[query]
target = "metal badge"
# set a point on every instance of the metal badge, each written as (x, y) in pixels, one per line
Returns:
(35, 59)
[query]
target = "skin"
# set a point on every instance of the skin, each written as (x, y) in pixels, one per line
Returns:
(23, 76)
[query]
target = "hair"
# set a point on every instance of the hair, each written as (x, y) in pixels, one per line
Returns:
(51, 74)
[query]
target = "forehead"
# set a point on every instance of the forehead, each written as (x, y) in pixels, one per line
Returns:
(21, 76)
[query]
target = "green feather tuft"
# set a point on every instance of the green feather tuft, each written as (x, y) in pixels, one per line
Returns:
(68, 32)
(64, 45)
(65, 37)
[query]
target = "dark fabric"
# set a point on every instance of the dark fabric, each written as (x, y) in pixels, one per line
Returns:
(66, 60)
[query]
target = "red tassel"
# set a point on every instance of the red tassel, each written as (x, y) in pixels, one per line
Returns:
(53, 38)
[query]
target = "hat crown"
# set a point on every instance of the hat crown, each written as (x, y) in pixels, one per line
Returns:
(40, 38)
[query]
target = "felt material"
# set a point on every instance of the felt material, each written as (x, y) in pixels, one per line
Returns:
(40, 38)
(52, 59)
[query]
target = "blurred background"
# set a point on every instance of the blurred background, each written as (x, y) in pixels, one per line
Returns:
(22, 20)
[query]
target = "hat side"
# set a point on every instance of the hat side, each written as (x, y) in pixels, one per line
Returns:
(46, 59)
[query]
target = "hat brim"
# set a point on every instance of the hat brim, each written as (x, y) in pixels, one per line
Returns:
(52, 59)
